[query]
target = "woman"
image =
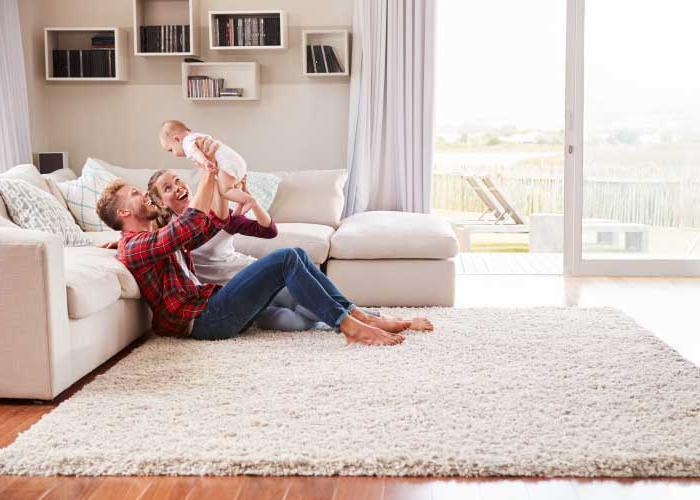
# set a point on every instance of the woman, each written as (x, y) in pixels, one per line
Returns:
(217, 262)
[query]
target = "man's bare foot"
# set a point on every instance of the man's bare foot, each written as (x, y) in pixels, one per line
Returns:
(393, 325)
(360, 333)
(418, 324)
(421, 325)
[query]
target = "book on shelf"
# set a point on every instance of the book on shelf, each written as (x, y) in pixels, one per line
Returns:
(309, 60)
(319, 62)
(199, 86)
(103, 40)
(232, 30)
(170, 38)
(85, 63)
(322, 59)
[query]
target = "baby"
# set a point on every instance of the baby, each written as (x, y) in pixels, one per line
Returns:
(179, 140)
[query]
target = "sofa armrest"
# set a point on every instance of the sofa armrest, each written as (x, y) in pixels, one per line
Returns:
(34, 336)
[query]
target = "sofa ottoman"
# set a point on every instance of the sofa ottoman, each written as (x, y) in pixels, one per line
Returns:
(386, 258)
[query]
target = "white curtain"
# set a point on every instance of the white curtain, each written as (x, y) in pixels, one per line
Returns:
(15, 145)
(390, 137)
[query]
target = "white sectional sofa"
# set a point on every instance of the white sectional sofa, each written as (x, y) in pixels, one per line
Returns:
(65, 311)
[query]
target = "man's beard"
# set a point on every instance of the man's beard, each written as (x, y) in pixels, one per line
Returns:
(148, 212)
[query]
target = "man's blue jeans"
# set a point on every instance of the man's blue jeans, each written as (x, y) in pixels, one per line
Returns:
(234, 307)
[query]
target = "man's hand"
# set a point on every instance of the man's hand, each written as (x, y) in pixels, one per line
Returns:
(112, 245)
(207, 146)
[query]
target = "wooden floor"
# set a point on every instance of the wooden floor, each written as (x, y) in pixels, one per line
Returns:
(668, 307)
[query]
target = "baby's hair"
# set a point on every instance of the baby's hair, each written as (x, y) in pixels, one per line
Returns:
(171, 127)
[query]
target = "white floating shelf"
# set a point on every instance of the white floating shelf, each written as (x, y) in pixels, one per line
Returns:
(337, 39)
(79, 38)
(217, 37)
(166, 12)
(245, 75)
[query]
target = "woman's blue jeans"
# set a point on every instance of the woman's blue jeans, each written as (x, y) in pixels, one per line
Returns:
(233, 308)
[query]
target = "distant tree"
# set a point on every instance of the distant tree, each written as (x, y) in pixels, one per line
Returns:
(493, 141)
(464, 138)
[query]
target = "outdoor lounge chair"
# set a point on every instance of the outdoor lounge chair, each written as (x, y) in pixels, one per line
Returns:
(509, 209)
(486, 199)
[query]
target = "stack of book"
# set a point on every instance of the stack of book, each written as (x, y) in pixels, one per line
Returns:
(204, 86)
(322, 59)
(165, 38)
(103, 40)
(241, 31)
(89, 63)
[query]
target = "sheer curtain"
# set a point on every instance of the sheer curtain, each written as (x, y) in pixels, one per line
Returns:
(390, 137)
(15, 145)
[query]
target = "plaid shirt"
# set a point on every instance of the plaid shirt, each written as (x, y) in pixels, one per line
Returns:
(173, 297)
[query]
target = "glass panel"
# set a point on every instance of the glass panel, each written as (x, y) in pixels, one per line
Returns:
(641, 191)
(499, 159)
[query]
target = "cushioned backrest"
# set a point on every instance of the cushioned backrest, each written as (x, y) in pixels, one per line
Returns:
(311, 196)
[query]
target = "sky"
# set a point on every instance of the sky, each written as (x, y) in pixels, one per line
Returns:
(502, 62)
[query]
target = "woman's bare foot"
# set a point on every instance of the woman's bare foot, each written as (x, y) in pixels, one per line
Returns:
(388, 324)
(358, 332)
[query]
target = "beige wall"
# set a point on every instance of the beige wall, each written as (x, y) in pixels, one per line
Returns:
(299, 123)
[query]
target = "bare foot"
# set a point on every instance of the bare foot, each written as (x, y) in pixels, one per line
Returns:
(421, 325)
(388, 324)
(357, 332)
(418, 324)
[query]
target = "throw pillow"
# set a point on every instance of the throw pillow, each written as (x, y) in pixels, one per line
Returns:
(31, 208)
(263, 186)
(82, 193)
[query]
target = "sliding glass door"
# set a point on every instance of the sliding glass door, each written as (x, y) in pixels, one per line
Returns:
(633, 138)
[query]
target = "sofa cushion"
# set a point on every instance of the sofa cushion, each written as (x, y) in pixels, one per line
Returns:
(29, 173)
(314, 238)
(81, 195)
(95, 279)
(393, 235)
(25, 172)
(32, 208)
(310, 196)
(60, 175)
(102, 237)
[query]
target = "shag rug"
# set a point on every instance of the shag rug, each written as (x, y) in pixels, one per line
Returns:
(522, 392)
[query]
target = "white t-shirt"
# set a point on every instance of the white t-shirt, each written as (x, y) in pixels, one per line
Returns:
(217, 261)
(227, 158)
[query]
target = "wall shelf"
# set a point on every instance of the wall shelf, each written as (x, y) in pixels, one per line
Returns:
(338, 39)
(245, 75)
(229, 38)
(80, 39)
(162, 13)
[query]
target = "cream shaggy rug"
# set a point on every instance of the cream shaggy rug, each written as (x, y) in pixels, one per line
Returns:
(531, 392)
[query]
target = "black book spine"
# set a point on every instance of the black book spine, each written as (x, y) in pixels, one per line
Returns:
(84, 69)
(309, 60)
(187, 38)
(60, 69)
(318, 60)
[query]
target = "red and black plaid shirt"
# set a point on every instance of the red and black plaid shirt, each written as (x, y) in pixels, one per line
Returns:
(173, 297)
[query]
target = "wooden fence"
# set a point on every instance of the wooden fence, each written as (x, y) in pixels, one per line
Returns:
(657, 202)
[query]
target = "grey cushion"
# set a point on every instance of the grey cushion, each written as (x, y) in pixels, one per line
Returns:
(32, 208)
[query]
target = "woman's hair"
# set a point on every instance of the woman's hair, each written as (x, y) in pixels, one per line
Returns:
(164, 213)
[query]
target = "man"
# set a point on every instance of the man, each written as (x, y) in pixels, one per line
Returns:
(182, 306)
